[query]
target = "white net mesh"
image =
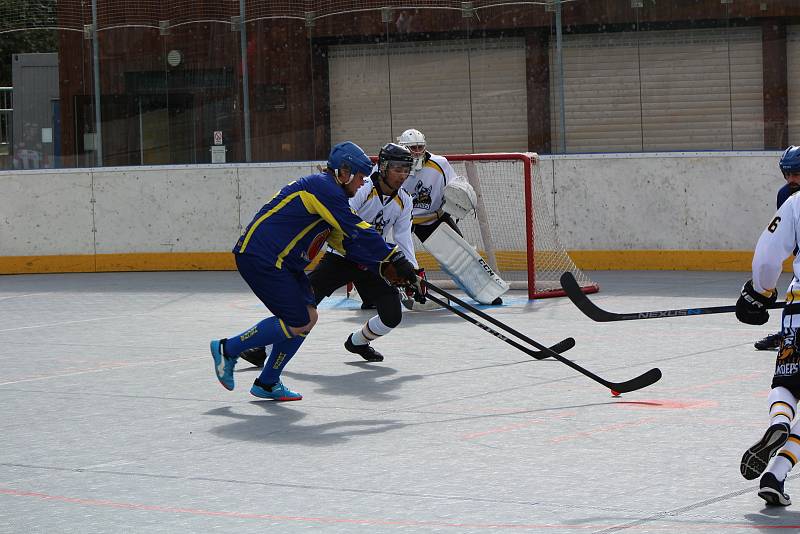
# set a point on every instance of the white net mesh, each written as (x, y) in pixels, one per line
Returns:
(501, 186)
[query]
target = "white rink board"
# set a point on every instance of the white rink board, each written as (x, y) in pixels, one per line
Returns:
(46, 213)
(166, 210)
(682, 201)
(257, 185)
(697, 201)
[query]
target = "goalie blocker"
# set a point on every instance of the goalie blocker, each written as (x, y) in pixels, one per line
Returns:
(464, 265)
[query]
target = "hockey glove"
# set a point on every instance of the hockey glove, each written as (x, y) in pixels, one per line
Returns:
(418, 290)
(752, 306)
(397, 270)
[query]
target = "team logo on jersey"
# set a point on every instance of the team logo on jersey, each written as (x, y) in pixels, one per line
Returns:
(316, 245)
(422, 196)
(379, 222)
(788, 347)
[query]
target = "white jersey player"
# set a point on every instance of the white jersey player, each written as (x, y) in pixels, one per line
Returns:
(440, 195)
(389, 212)
(777, 242)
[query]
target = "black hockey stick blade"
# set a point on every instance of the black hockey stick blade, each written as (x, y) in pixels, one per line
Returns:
(650, 377)
(562, 346)
(591, 310)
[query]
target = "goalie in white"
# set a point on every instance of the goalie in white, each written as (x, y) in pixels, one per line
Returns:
(440, 199)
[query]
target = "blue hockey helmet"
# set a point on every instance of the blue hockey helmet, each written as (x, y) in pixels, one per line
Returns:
(351, 155)
(790, 160)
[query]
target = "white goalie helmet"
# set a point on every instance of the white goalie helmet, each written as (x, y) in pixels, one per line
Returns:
(414, 140)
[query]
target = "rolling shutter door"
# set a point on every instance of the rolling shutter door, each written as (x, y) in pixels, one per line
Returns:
(661, 90)
(426, 85)
(793, 82)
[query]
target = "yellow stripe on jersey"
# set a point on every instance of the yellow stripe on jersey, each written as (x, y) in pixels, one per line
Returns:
(792, 458)
(264, 217)
(399, 201)
(372, 193)
(294, 241)
(422, 219)
(433, 165)
(313, 205)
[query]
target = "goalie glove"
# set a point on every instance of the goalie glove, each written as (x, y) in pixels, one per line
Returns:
(752, 306)
(459, 198)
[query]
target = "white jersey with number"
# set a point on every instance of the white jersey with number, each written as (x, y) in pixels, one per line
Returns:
(777, 242)
(426, 187)
(390, 215)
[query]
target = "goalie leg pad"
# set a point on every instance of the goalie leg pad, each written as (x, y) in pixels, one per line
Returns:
(464, 265)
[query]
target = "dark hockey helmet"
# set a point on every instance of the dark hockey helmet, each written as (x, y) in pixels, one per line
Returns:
(790, 160)
(394, 153)
(351, 155)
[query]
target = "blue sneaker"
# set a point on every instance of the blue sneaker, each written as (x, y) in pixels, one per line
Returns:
(276, 391)
(223, 365)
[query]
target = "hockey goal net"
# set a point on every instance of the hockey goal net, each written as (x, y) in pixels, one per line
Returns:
(514, 227)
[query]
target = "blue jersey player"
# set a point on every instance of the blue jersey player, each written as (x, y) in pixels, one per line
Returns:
(280, 242)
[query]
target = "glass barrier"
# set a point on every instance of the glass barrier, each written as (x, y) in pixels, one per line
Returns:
(116, 83)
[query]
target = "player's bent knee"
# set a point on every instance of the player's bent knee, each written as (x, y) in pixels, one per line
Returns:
(306, 328)
(390, 311)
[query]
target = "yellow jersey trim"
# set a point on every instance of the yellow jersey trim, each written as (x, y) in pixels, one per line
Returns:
(294, 241)
(264, 217)
(284, 328)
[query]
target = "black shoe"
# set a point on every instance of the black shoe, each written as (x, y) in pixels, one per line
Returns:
(771, 342)
(771, 490)
(497, 302)
(256, 356)
(367, 306)
(365, 351)
(756, 458)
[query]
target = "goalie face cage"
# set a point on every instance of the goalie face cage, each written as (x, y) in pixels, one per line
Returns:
(513, 227)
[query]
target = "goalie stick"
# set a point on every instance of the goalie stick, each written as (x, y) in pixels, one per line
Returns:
(591, 310)
(650, 377)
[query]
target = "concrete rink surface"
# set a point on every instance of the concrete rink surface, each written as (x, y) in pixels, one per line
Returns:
(113, 420)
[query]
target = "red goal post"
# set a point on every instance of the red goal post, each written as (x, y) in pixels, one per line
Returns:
(513, 227)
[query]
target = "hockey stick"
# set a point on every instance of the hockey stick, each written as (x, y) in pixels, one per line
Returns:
(590, 309)
(650, 377)
(562, 346)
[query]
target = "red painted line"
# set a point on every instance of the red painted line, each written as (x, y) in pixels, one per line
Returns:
(381, 522)
(722, 381)
(511, 428)
(610, 428)
(671, 404)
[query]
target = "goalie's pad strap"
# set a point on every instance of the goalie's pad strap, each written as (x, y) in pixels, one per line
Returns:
(464, 265)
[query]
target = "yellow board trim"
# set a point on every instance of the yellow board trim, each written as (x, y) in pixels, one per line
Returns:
(623, 260)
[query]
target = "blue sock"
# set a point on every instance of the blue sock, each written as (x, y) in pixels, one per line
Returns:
(269, 331)
(281, 353)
